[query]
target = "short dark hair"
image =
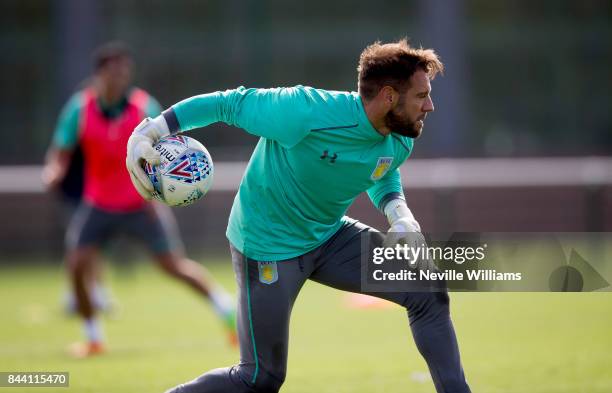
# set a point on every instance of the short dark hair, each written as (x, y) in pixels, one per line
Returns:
(393, 64)
(110, 51)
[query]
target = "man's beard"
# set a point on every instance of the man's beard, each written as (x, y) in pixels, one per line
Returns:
(399, 124)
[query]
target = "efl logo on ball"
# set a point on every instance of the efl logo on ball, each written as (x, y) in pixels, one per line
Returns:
(185, 173)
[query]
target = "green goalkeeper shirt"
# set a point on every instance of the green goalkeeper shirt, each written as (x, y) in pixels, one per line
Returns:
(317, 153)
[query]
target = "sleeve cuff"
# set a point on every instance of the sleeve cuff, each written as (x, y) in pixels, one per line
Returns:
(171, 121)
(388, 198)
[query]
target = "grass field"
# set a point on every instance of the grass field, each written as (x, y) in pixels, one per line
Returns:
(510, 342)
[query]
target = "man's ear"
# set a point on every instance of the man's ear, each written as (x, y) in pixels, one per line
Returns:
(390, 96)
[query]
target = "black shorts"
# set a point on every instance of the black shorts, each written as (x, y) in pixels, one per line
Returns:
(154, 226)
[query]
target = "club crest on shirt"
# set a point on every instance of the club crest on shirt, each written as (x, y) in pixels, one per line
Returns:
(382, 167)
(268, 272)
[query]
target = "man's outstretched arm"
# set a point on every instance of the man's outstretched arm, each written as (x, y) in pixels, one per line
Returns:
(280, 114)
(65, 138)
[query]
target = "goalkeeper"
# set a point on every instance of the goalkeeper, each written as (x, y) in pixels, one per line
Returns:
(318, 151)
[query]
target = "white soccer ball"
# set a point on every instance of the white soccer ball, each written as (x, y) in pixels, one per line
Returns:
(185, 173)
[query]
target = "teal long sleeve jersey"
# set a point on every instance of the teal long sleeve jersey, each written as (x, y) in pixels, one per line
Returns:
(318, 151)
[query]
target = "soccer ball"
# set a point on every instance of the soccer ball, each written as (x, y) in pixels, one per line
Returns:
(185, 173)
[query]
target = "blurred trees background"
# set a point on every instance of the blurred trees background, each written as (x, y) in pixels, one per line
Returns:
(523, 78)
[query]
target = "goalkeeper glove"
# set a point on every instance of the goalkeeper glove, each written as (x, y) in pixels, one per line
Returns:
(140, 150)
(400, 217)
(404, 229)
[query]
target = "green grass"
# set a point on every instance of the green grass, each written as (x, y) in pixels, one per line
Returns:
(164, 335)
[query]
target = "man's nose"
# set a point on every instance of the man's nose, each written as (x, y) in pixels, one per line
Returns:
(428, 106)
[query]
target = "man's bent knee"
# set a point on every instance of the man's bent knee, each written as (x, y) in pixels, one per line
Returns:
(79, 260)
(267, 383)
(258, 379)
(170, 263)
(237, 379)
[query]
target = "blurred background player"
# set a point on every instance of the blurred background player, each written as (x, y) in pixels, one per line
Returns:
(99, 119)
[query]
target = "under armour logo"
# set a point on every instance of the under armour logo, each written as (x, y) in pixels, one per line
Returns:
(332, 159)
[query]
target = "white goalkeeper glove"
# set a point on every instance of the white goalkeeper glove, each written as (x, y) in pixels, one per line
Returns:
(404, 229)
(140, 149)
(400, 217)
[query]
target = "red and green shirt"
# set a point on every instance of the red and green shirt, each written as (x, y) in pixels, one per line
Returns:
(102, 132)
